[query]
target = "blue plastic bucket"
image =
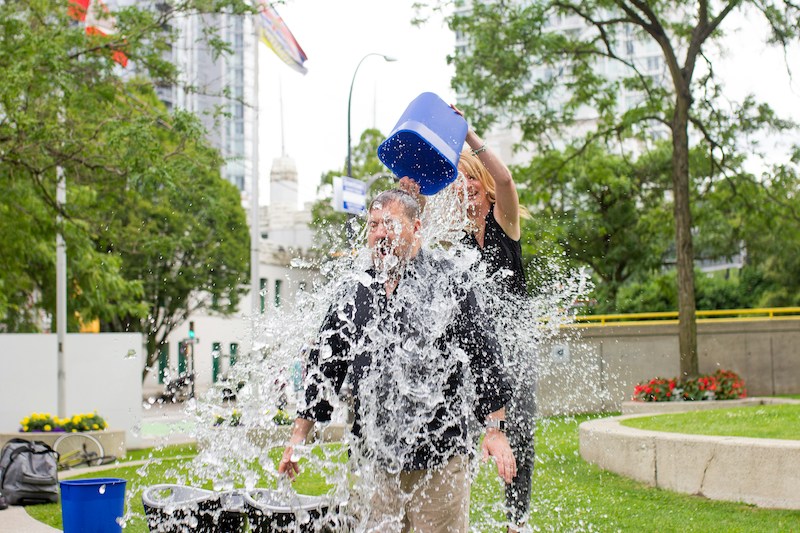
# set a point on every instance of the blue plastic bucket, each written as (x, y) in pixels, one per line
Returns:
(92, 505)
(426, 143)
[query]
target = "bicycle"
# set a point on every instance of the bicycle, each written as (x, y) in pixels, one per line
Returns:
(79, 449)
(178, 389)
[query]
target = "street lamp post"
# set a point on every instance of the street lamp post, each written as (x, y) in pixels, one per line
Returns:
(350, 100)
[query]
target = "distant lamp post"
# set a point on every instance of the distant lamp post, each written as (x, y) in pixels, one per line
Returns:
(350, 100)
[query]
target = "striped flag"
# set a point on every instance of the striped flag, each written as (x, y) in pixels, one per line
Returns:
(277, 36)
(98, 21)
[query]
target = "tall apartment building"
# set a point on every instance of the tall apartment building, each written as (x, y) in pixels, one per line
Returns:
(220, 90)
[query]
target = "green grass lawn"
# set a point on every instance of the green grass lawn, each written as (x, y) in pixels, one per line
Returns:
(568, 494)
(759, 421)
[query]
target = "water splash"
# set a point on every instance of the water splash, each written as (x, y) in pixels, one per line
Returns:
(401, 401)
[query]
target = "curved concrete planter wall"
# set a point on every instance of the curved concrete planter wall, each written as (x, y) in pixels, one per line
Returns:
(655, 408)
(762, 472)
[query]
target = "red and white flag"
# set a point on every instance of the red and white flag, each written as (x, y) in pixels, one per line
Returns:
(98, 21)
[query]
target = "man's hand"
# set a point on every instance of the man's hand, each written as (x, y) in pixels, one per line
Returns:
(300, 431)
(411, 187)
(495, 444)
(408, 185)
(287, 466)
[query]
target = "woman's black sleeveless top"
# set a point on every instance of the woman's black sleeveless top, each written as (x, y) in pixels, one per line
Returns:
(501, 252)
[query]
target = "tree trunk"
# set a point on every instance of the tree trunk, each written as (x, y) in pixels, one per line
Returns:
(151, 354)
(687, 328)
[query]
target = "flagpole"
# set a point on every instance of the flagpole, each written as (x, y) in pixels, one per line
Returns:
(61, 292)
(255, 231)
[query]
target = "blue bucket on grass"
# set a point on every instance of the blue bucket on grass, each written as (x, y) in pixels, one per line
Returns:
(92, 505)
(426, 143)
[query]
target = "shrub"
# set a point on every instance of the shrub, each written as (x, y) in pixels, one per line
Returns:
(700, 388)
(282, 418)
(235, 420)
(729, 385)
(721, 385)
(40, 422)
(655, 390)
(72, 424)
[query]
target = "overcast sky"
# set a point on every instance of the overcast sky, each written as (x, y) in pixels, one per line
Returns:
(337, 34)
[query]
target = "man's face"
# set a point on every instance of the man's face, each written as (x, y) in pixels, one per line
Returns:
(390, 235)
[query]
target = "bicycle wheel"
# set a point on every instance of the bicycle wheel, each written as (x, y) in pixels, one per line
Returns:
(85, 445)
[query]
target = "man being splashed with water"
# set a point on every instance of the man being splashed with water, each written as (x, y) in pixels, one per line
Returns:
(420, 358)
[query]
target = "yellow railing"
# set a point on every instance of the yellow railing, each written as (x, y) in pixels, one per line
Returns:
(671, 317)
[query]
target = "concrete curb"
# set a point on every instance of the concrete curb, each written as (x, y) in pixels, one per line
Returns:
(653, 408)
(761, 472)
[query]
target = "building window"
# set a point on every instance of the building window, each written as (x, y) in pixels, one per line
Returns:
(278, 284)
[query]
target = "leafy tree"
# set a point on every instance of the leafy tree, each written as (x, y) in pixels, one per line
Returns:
(715, 290)
(773, 239)
(185, 239)
(509, 41)
(763, 214)
(134, 173)
(604, 211)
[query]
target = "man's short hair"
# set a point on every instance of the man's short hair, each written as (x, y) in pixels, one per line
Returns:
(407, 200)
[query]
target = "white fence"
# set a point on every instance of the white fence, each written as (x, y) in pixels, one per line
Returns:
(103, 374)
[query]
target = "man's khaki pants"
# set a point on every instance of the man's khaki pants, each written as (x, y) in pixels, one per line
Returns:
(423, 501)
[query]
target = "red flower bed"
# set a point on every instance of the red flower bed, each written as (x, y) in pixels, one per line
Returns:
(721, 385)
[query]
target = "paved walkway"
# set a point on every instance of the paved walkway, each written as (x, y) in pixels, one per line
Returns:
(17, 520)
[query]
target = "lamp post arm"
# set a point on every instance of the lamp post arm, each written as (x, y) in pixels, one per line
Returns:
(349, 103)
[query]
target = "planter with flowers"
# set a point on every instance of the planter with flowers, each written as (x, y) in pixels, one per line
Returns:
(232, 425)
(723, 388)
(274, 429)
(48, 428)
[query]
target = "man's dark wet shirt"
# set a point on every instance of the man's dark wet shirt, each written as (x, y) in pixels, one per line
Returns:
(417, 362)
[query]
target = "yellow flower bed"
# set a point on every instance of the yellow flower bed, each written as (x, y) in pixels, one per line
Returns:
(72, 424)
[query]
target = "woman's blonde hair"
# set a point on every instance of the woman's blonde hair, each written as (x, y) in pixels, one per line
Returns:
(476, 169)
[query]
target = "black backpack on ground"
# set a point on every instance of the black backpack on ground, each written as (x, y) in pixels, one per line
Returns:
(28, 472)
